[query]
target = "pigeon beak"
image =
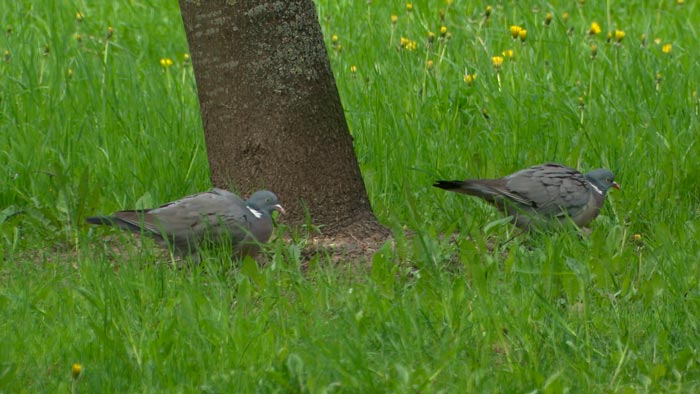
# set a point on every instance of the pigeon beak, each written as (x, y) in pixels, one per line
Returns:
(279, 208)
(616, 185)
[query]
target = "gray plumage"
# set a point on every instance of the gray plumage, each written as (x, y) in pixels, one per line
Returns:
(211, 216)
(542, 194)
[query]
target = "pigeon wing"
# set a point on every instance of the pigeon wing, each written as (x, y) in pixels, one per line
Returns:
(186, 220)
(551, 189)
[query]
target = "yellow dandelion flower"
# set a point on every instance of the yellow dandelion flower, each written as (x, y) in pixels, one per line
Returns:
(487, 12)
(497, 61)
(508, 53)
(79, 16)
(565, 17)
(680, 2)
(595, 29)
(469, 78)
(443, 30)
(667, 48)
(431, 37)
(619, 35)
(334, 38)
(409, 7)
(69, 72)
(407, 44)
(394, 19)
(75, 370)
(429, 64)
(657, 41)
(515, 31)
(186, 57)
(548, 19)
(166, 62)
(637, 237)
(110, 32)
(522, 34)
(449, 2)
(353, 69)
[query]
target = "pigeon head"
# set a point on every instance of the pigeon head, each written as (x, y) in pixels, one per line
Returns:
(265, 201)
(602, 179)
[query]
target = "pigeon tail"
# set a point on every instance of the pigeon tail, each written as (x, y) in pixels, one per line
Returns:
(488, 189)
(100, 220)
(448, 185)
(113, 221)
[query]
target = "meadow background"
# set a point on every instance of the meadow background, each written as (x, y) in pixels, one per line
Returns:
(98, 112)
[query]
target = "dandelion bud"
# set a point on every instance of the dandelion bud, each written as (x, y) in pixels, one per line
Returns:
(522, 34)
(548, 19)
(515, 31)
(619, 35)
(75, 370)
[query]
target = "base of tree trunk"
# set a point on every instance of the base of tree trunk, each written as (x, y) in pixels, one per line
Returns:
(353, 242)
(363, 225)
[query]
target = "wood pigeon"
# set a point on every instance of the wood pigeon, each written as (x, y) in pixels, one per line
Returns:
(215, 215)
(543, 194)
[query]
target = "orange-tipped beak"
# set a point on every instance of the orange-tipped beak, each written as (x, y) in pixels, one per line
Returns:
(616, 185)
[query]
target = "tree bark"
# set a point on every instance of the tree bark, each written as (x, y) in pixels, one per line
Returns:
(271, 111)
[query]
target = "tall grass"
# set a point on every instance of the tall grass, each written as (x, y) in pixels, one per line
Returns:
(98, 112)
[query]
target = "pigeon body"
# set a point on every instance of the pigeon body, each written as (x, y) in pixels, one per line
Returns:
(543, 194)
(211, 216)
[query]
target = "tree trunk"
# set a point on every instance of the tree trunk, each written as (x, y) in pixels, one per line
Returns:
(271, 111)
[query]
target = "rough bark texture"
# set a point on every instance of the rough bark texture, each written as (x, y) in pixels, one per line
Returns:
(271, 111)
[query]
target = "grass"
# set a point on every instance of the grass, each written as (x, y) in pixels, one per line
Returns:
(91, 122)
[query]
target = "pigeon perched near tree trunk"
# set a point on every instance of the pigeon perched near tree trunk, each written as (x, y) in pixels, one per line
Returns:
(214, 216)
(542, 195)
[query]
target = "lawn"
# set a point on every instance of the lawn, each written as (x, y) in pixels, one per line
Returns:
(99, 112)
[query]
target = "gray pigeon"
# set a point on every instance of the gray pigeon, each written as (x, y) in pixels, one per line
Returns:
(187, 223)
(541, 195)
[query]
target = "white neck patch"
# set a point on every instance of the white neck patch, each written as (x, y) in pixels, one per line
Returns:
(259, 214)
(592, 185)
